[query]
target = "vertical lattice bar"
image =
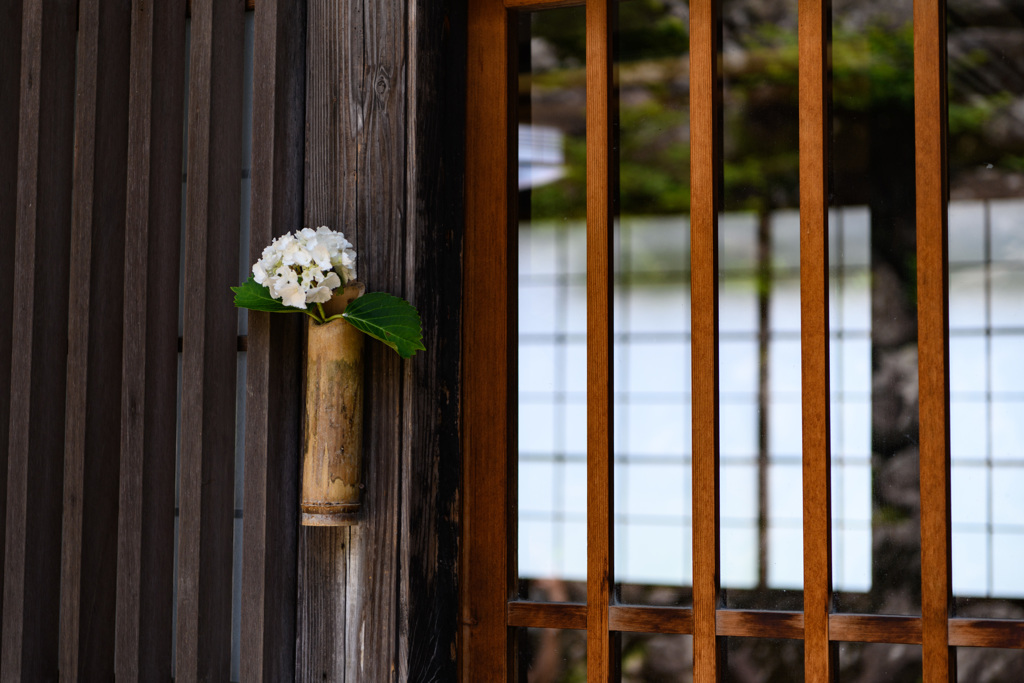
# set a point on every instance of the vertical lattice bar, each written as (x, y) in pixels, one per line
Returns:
(600, 565)
(819, 653)
(933, 343)
(705, 162)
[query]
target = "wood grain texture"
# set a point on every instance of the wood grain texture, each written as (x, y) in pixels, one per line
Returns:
(869, 628)
(485, 648)
(547, 615)
(213, 200)
(759, 624)
(355, 181)
(986, 633)
(650, 619)
(600, 25)
(145, 545)
(933, 346)
(431, 463)
(820, 656)
(705, 173)
(333, 30)
(39, 339)
(95, 317)
(274, 354)
(10, 72)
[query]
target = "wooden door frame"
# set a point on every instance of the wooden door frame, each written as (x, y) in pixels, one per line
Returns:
(490, 611)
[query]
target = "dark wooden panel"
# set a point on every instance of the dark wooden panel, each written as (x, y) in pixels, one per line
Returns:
(273, 382)
(431, 465)
(933, 347)
(600, 25)
(547, 615)
(705, 173)
(760, 624)
(91, 460)
(210, 337)
(865, 628)
(650, 619)
(10, 73)
(39, 340)
(820, 655)
(145, 551)
(486, 433)
(987, 633)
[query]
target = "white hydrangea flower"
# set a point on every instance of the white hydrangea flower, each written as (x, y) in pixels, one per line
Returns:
(306, 267)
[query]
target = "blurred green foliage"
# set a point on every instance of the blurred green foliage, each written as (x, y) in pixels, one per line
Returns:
(872, 74)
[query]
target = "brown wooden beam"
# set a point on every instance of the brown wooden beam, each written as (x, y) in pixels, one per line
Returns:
(933, 344)
(820, 655)
(600, 27)
(705, 164)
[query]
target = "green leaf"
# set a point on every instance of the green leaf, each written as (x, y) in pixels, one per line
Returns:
(256, 297)
(389, 319)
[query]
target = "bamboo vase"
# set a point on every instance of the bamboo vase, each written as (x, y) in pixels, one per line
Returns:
(332, 468)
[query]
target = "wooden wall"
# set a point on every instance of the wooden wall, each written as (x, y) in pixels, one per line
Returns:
(357, 124)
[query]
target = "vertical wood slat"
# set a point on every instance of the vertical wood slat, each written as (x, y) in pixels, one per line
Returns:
(939, 658)
(10, 72)
(213, 201)
(145, 541)
(819, 654)
(270, 524)
(428, 596)
(485, 652)
(600, 463)
(379, 222)
(39, 343)
(705, 135)
(89, 558)
(323, 552)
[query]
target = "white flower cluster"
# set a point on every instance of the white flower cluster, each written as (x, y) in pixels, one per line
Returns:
(304, 267)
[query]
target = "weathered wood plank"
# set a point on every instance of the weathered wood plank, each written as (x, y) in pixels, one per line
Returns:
(89, 557)
(270, 522)
(330, 174)
(210, 337)
(372, 616)
(145, 549)
(705, 162)
(39, 342)
(10, 72)
(431, 469)
(820, 656)
(485, 574)
(939, 659)
(600, 28)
